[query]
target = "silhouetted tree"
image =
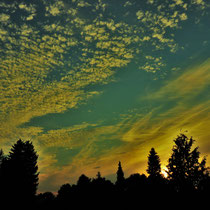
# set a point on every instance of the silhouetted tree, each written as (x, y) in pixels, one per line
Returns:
(1, 178)
(68, 195)
(1, 156)
(136, 184)
(64, 192)
(120, 188)
(100, 184)
(135, 190)
(154, 167)
(99, 175)
(20, 172)
(83, 181)
(204, 178)
(102, 191)
(83, 192)
(45, 200)
(184, 169)
(1, 161)
(120, 175)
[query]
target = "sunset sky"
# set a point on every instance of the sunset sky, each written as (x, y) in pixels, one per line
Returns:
(94, 82)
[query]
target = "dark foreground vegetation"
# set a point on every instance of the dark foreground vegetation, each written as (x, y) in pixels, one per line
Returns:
(187, 183)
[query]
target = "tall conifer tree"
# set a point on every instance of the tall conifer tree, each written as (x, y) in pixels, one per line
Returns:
(20, 172)
(120, 175)
(154, 167)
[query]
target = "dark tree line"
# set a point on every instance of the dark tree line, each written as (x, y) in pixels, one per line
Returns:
(188, 182)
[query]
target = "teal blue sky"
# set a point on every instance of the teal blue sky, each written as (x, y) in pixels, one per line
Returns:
(94, 82)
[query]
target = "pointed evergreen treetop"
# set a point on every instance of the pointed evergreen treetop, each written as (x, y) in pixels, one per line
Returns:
(154, 167)
(120, 174)
(20, 171)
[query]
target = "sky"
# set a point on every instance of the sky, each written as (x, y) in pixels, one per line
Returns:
(94, 82)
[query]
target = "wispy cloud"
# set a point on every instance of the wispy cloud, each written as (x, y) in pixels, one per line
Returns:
(136, 135)
(189, 113)
(189, 84)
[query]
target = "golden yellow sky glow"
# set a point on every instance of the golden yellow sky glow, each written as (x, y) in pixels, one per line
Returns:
(141, 134)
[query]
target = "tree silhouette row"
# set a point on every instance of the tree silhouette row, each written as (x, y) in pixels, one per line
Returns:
(187, 182)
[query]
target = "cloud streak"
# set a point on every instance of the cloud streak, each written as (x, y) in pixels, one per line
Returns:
(137, 134)
(194, 80)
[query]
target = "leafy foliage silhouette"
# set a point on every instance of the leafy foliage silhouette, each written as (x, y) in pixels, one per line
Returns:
(184, 169)
(188, 182)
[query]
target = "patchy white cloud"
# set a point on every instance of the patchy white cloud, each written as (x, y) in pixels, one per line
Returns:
(4, 18)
